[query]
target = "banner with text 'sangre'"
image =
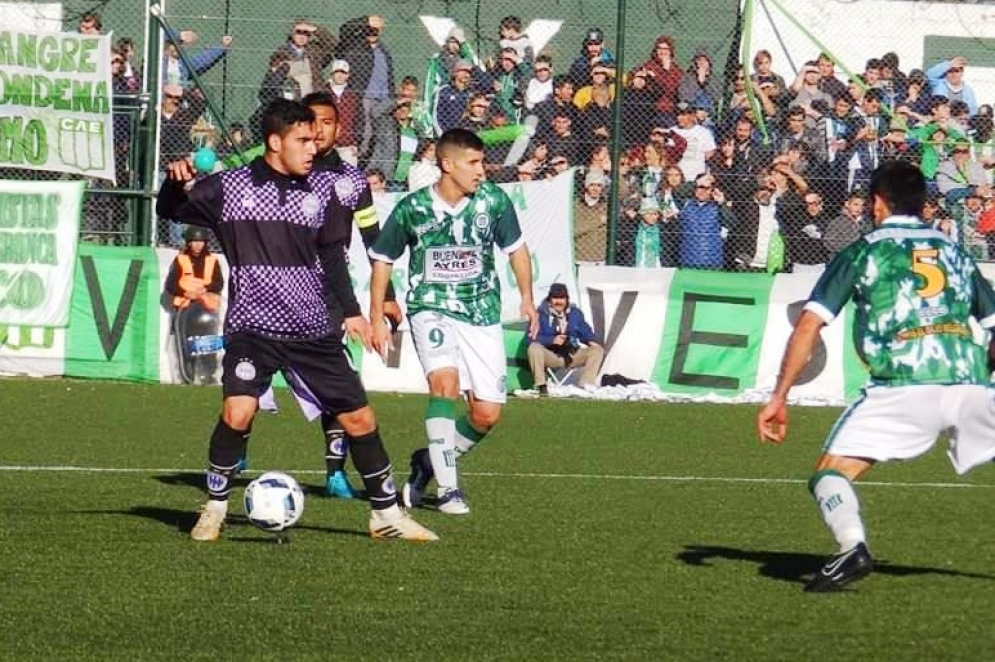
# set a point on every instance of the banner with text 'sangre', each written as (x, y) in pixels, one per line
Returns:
(39, 227)
(56, 102)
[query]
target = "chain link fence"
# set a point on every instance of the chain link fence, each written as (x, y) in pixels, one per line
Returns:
(702, 134)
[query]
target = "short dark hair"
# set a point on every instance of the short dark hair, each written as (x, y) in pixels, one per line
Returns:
(901, 186)
(281, 115)
(512, 22)
(873, 63)
(874, 94)
(376, 172)
(324, 99)
(458, 139)
(560, 79)
(92, 17)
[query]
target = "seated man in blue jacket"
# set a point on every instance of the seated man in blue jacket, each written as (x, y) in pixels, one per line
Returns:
(565, 339)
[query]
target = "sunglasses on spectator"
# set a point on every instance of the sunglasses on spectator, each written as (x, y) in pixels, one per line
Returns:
(703, 187)
(955, 70)
(303, 32)
(177, 97)
(479, 106)
(559, 162)
(541, 69)
(117, 60)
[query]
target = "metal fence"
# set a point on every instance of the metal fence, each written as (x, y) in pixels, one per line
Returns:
(701, 133)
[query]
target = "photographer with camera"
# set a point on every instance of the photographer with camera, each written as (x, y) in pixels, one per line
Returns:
(565, 340)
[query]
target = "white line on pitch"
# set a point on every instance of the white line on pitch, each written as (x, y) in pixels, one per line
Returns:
(499, 474)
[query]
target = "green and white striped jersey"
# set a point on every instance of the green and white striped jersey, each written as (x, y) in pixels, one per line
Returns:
(451, 265)
(914, 291)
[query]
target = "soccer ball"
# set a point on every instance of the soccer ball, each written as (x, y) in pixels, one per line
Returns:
(274, 501)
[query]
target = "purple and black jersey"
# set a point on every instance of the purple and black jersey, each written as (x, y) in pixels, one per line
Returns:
(282, 235)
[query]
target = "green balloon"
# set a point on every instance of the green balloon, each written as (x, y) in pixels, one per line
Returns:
(204, 160)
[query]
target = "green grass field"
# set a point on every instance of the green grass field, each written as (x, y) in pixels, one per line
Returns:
(599, 531)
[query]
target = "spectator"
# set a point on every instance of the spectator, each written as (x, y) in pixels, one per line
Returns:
(507, 83)
(698, 86)
(238, 140)
(648, 241)
(361, 46)
(308, 50)
(828, 82)
(562, 141)
(174, 69)
(440, 65)
(425, 170)
(895, 144)
(592, 53)
(511, 36)
(276, 84)
(638, 109)
(600, 79)
(704, 222)
(395, 143)
(131, 73)
(960, 176)
(893, 80)
(665, 74)
(868, 139)
(525, 172)
(565, 340)
(986, 227)
(772, 84)
(451, 100)
(540, 86)
(803, 229)
(596, 120)
(809, 93)
(377, 180)
(847, 227)
(178, 112)
(700, 142)
(842, 131)
(347, 104)
(476, 115)
(591, 220)
(90, 24)
(796, 130)
(558, 164)
(750, 239)
(947, 80)
(560, 102)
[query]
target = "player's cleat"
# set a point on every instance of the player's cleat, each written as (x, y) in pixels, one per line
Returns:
(209, 524)
(842, 569)
(421, 474)
(394, 523)
(337, 485)
(453, 503)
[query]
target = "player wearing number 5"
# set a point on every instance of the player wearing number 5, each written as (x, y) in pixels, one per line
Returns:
(914, 291)
(454, 305)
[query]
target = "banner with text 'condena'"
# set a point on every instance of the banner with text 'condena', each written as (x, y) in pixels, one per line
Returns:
(55, 102)
(39, 227)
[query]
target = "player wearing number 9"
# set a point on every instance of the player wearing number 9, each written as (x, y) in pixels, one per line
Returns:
(914, 293)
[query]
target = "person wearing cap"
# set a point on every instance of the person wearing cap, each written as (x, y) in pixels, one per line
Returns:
(451, 100)
(442, 65)
(916, 98)
(395, 141)
(591, 219)
(308, 50)
(178, 110)
(592, 53)
(347, 102)
(194, 284)
(174, 69)
(507, 81)
(946, 79)
(664, 73)
(564, 340)
(601, 78)
(704, 222)
(700, 141)
(895, 144)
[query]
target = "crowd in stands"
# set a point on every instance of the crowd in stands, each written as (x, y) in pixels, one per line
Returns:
(756, 170)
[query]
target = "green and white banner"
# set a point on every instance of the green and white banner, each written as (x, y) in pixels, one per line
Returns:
(56, 102)
(39, 227)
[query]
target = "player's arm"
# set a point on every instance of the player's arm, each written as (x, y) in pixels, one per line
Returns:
(366, 219)
(828, 298)
(508, 236)
(200, 205)
(389, 245)
(339, 285)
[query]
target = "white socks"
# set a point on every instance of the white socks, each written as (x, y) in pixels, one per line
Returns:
(840, 508)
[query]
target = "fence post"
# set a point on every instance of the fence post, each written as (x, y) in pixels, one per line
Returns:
(145, 225)
(616, 148)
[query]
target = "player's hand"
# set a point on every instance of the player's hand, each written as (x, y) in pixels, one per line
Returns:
(772, 421)
(181, 170)
(528, 311)
(226, 41)
(359, 329)
(393, 313)
(382, 341)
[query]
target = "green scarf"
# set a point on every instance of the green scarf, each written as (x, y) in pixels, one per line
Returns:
(648, 245)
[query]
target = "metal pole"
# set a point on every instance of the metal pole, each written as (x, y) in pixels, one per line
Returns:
(616, 147)
(149, 136)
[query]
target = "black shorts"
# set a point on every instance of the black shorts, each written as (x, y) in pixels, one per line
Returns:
(318, 370)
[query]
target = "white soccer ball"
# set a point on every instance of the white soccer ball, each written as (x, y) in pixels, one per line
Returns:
(274, 501)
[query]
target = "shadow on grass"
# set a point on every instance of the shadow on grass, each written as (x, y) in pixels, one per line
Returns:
(196, 479)
(184, 520)
(799, 568)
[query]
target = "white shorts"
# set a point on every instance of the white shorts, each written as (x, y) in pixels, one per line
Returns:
(476, 351)
(902, 422)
